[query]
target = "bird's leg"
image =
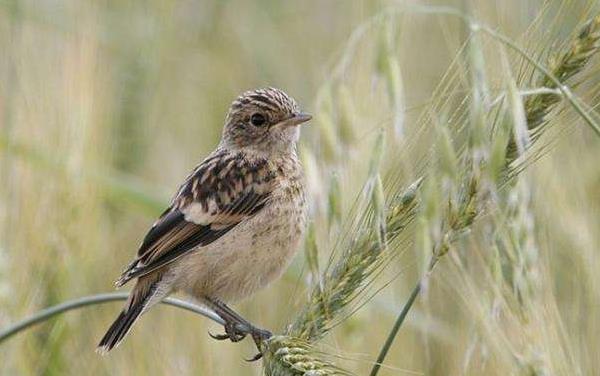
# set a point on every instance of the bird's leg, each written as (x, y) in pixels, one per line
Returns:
(233, 322)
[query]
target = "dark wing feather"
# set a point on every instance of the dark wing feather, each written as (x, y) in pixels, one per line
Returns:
(167, 222)
(223, 191)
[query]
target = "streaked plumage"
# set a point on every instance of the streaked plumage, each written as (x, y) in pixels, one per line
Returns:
(234, 224)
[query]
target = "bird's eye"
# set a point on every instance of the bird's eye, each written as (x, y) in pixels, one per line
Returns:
(258, 120)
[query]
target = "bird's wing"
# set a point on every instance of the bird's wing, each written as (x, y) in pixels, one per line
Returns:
(226, 189)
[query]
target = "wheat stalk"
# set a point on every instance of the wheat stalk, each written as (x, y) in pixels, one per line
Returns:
(463, 208)
(355, 266)
(516, 265)
(460, 214)
(341, 286)
(359, 261)
(563, 67)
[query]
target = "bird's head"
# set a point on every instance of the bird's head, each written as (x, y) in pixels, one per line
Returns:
(263, 120)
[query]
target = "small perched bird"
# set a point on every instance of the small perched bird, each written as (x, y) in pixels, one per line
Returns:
(233, 225)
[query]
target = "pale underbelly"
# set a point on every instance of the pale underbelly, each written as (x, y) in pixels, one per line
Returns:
(244, 260)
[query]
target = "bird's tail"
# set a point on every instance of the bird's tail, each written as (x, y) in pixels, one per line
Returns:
(143, 295)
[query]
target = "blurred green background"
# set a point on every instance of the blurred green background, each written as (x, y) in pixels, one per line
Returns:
(106, 105)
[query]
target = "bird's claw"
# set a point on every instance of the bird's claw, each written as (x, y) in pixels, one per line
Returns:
(231, 333)
(234, 334)
(259, 336)
(254, 358)
(218, 337)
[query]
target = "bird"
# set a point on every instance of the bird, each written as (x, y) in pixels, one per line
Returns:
(234, 224)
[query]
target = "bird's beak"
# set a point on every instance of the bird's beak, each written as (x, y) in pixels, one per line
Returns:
(295, 119)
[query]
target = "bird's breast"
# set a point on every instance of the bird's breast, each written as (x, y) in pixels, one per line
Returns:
(254, 253)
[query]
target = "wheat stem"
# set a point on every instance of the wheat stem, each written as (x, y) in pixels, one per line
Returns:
(85, 301)
(392, 335)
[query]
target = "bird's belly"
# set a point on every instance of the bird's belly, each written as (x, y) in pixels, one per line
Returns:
(250, 256)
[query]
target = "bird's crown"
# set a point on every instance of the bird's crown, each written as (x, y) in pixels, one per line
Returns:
(269, 99)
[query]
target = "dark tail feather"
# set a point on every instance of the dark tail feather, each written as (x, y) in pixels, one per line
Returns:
(119, 329)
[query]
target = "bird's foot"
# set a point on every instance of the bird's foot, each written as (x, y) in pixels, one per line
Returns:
(237, 328)
(232, 333)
